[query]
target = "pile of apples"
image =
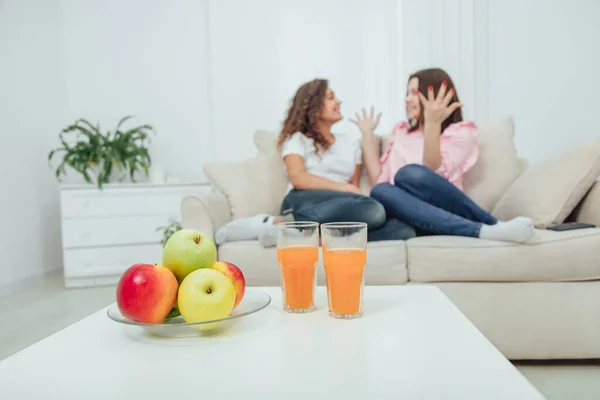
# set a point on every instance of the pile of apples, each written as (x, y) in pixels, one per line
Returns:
(189, 282)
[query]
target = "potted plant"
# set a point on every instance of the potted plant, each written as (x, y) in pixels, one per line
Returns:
(168, 230)
(99, 157)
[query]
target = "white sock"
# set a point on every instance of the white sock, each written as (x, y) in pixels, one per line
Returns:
(243, 229)
(518, 230)
(268, 236)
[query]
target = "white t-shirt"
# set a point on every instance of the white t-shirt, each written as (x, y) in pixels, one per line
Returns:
(337, 163)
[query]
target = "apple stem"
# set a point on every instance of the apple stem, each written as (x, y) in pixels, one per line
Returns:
(197, 239)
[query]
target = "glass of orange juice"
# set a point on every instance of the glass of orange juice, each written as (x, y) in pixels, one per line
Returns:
(297, 256)
(344, 259)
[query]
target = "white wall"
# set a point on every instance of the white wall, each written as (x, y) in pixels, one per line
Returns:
(32, 111)
(544, 62)
(146, 58)
(262, 50)
(69, 59)
(440, 33)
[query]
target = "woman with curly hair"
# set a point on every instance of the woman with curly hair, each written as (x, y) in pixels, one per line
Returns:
(419, 178)
(324, 172)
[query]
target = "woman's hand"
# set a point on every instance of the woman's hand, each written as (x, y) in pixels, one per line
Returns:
(350, 188)
(367, 124)
(436, 110)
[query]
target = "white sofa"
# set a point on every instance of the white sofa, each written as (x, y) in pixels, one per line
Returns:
(539, 300)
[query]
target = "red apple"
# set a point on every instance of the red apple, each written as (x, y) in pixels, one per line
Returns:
(146, 293)
(236, 276)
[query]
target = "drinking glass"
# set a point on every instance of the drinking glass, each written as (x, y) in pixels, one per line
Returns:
(297, 256)
(344, 258)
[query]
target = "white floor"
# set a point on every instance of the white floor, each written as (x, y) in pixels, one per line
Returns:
(46, 307)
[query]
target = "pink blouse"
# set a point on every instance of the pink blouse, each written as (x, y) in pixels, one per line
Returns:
(458, 147)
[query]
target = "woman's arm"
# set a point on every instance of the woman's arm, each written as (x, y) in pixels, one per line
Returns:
(435, 111)
(303, 180)
(432, 156)
(371, 157)
(367, 126)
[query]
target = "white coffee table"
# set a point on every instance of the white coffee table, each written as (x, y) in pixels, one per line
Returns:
(412, 343)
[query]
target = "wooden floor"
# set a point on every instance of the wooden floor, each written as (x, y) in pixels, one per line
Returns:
(46, 307)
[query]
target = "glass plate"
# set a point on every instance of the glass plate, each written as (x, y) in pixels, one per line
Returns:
(254, 300)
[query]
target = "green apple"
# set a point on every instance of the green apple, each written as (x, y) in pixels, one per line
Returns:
(205, 295)
(188, 250)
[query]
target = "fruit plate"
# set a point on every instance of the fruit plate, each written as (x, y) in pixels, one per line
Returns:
(254, 300)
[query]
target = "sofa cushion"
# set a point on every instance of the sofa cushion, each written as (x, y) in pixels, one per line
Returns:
(549, 256)
(550, 190)
(386, 263)
(588, 210)
(253, 186)
(497, 166)
(533, 320)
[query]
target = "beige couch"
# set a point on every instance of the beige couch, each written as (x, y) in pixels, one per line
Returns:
(539, 300)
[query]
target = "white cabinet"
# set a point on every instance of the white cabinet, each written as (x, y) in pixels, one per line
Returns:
(106, 231)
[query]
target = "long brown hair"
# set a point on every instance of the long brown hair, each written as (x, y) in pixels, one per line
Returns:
(303, 114)
(435, 77)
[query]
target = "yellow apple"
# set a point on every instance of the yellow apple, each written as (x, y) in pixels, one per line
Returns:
(205, 295)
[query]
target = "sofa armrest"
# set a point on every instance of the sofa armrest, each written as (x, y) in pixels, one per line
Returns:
(588, 210)
(205, 213)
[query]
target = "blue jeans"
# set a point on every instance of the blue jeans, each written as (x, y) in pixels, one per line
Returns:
(324, 206)
(430, 203)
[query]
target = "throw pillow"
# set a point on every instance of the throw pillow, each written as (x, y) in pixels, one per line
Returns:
(253, 186)
(549, 190)
(588, 209)
(497, 166)
(265, 141)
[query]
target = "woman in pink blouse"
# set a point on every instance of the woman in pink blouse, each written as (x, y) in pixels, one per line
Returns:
(419, 178)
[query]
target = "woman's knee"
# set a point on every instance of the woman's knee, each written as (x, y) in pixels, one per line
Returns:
(379, 192)
(373, 213)
(411, 173)
(400, 230)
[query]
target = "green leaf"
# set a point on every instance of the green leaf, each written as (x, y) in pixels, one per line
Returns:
(125, 118)
(93, 149)
(132, 169)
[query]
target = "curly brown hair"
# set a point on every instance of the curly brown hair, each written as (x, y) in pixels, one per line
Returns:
(304, 112)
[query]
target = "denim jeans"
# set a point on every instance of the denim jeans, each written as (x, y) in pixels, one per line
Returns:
(324, 206)
(430, 203)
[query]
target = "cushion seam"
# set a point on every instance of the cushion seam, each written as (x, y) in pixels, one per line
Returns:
(513, 245)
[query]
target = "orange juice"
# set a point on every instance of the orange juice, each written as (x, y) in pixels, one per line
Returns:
(298, 265)
(344, 270)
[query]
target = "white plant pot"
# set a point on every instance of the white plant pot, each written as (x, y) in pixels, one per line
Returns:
(118, 174)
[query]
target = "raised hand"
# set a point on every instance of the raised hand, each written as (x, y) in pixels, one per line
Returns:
(368, 123)
(436, 110)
